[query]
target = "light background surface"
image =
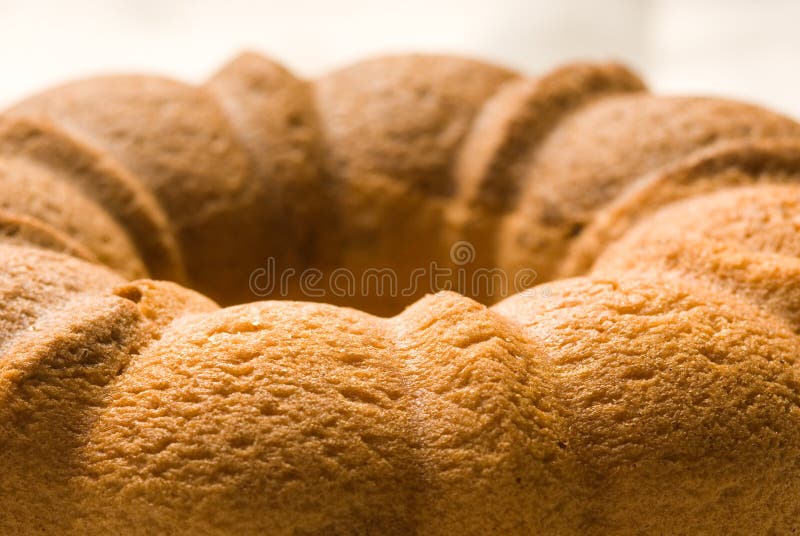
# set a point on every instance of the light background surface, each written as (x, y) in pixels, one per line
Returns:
(746, 49)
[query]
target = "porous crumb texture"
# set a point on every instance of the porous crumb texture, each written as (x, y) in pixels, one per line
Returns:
(654, 391)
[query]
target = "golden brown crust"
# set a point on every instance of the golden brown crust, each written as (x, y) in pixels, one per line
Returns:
(499, 147)
(22, 230)
(741, 239)
(390, 128)
(675, 398)
(722, 165)
(273, 115)
(383, 165)
(34, 281)
(177, 143)
(659, 395)
(599, 406)
(593, 156)
(104, 182)
(29, 188)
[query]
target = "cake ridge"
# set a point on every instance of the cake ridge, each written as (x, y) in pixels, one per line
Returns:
(104, 182)
(558, 93)
(307, 172)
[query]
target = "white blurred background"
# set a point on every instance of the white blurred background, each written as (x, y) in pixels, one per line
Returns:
(739, 48)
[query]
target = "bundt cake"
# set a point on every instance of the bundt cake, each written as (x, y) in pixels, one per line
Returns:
(654, 389)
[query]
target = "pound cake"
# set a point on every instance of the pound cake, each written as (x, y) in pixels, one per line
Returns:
(648, 384)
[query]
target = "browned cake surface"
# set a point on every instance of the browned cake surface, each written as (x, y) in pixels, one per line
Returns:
(656, 392)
